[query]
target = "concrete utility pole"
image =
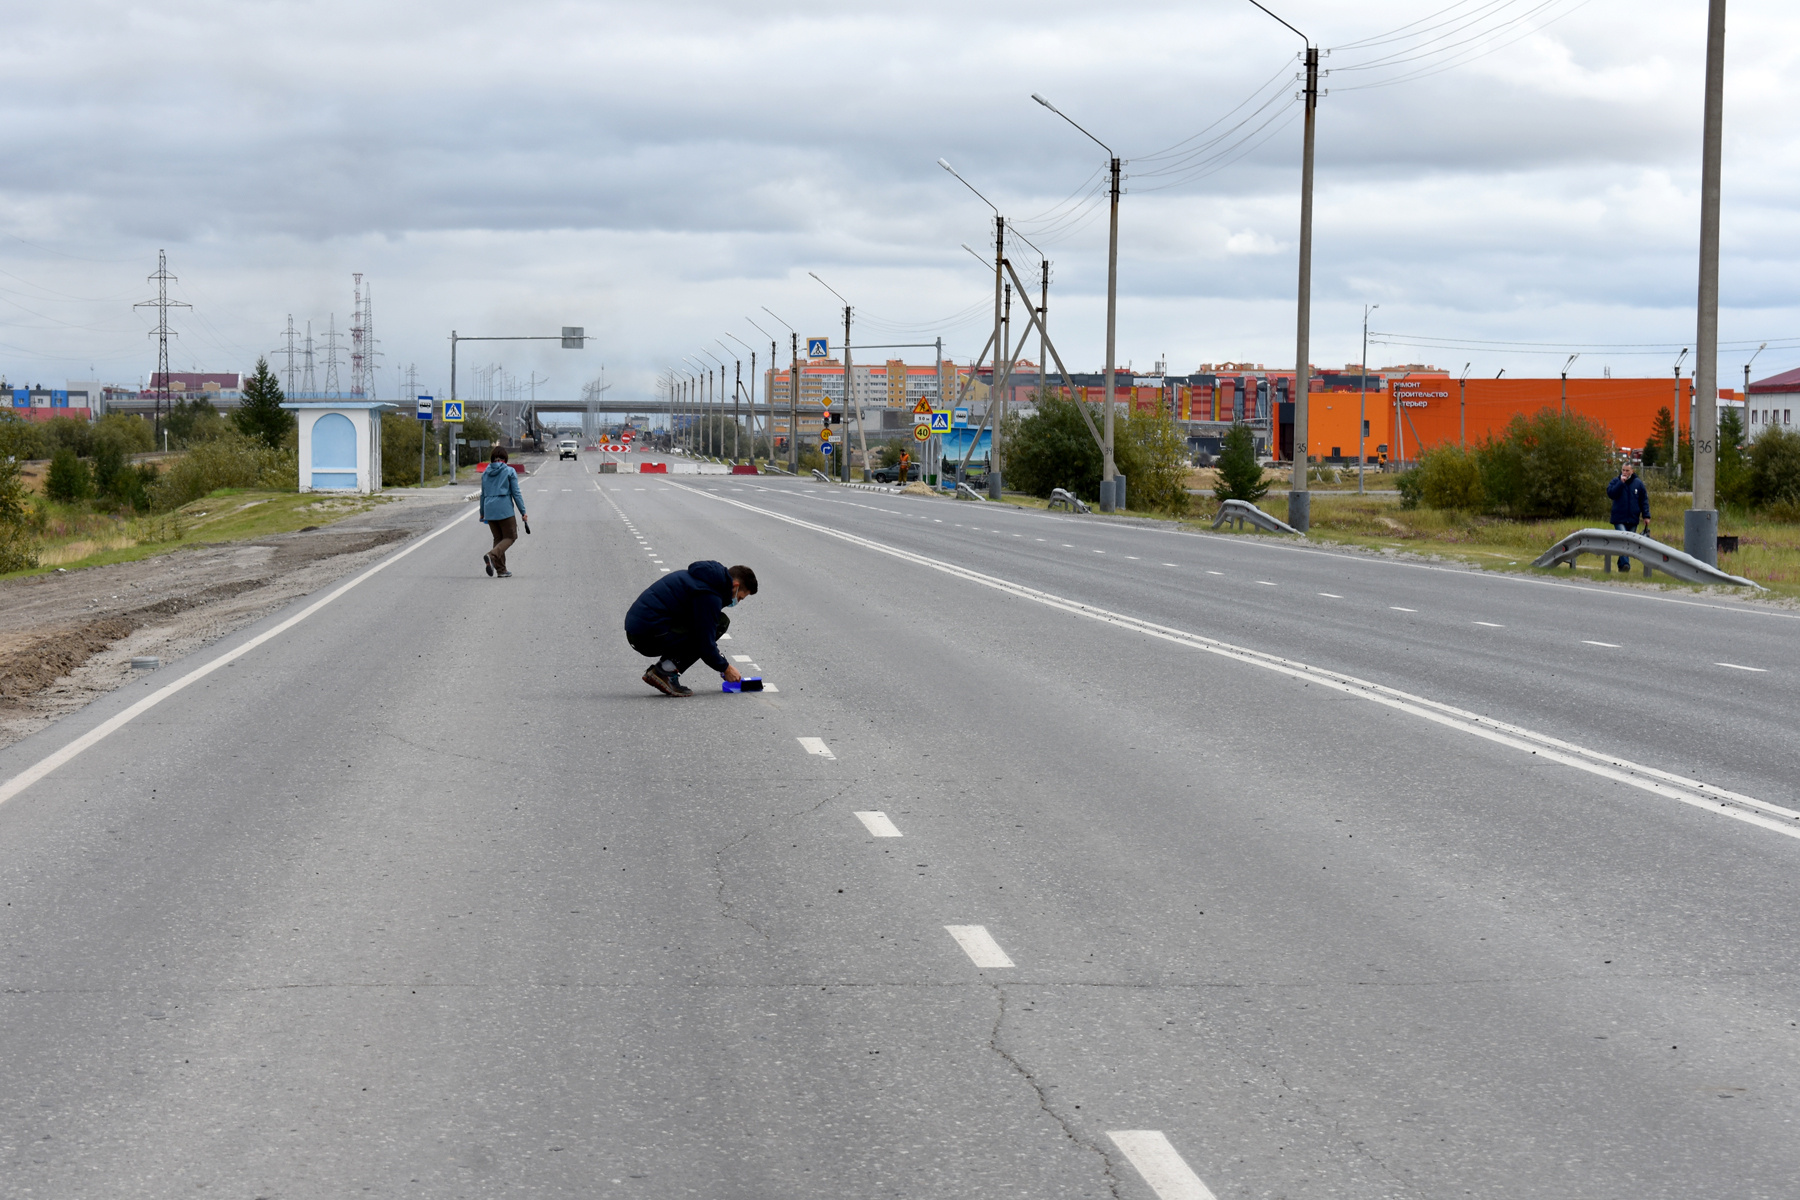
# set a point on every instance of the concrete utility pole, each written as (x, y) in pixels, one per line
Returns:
(1362, 406)
(1462, 413)
(1700, 529)
(1000, 354)
(793, 393)
(1111, 488)
(1299, 499)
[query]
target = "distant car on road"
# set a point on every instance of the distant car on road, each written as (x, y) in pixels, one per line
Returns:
(568, 449)
(892, 474)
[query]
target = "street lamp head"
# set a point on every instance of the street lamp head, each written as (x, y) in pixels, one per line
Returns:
(945, 163)
(1044, 102)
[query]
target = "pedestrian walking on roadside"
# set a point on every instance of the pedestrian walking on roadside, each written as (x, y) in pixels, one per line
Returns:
(681, 617)
(499, 496)
(1630, 504)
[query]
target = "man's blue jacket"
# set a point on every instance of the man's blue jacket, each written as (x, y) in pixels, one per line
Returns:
(1630, 501)
(499, 492)
(683, 606)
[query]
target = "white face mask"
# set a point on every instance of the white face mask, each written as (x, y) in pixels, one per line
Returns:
(733, 603)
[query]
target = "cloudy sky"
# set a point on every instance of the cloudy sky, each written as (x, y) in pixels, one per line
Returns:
(1494, 171)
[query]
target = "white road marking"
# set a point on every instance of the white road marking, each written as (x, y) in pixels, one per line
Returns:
(1132, 557)
(1099, 552)
(1266, 583)
(769, 687)
(50, 762)
(1163, 1169)
(979, 945)
(813, 745)
(877, 823)
(1066, 546)
(664, 570)
(1209, 572)
(1735, 667)
(739, 657)
(1331, 595)
(724, 637)
(1490, 625)
(1608, 645)
(1680, 788)
(1397, 608)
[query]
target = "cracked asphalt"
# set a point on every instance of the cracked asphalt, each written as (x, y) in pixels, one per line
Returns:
(430, 895)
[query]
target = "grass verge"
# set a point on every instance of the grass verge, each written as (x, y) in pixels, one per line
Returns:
(75, 537)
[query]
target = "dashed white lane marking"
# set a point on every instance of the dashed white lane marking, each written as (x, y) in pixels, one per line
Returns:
(1397, 608)
(1132, 557)
(1099, 552)
(1163, 1169)
(1735, 667)
(979, 945)
(1266, 583)
(664, 570)
(1608, 645)
(1172, 564)
(1490, 625)
(739, 657)
(877, 823)
(1331, 595)
(1066, 546)
(813, 745)
(724, 637)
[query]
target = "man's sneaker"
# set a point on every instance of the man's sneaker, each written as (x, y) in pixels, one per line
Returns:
(488, 563)
(667, 684)
(506, 574)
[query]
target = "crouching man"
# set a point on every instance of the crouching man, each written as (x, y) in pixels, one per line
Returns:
(679, 619)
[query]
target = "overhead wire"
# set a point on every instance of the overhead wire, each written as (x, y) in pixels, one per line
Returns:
(1444, 58)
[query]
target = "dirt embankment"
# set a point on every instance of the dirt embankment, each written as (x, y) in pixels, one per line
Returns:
(68, 637)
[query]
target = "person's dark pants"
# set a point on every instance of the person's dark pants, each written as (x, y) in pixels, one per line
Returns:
(678, 646)
(506, 532)
(1625, 560)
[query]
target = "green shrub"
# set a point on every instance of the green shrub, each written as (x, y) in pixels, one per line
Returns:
(18, 548)
(1449, 477)
(1152, 455)
(1550, 464)
(67, 433)
(1408, 481)
(1775, 468)
(1240, 475)
(21, 439)
(69, 479)
(401, 438)
(191, 422)
(1050, 449)
(230, 461)
(132, 433)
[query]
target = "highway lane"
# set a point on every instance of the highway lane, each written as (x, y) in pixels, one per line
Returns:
(575, 938)
(1691, 684)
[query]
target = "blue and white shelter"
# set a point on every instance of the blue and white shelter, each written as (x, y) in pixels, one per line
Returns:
(340, 444)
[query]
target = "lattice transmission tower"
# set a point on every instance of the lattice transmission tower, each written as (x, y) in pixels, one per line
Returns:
(358, 360)
(309, 385)
(162, 333)
(331, 360)
(288, 375)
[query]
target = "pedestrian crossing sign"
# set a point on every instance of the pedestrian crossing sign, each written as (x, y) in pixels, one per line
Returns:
(922, 407)
(818, 347)
(453, 410)
(940, 421)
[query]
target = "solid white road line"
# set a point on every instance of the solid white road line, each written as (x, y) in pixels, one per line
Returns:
(50, 762)
(1735, 667)
(979, 945)
(1165, 1171)
(813, 745)
(877, 823)
(1680, 788)
(1608, 645)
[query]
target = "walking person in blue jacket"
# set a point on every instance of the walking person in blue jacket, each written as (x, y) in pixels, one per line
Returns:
(499, 496)
(681, 617)
(1630, 504)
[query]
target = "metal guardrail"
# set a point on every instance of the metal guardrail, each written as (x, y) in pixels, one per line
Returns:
(1242, 510)
(821, 476)
(965, 492)
(1068, 500)
(1652, 553)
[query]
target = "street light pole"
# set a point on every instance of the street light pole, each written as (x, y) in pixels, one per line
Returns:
(1299, 498)
(1109, 490)
(1362, 405)
(1744, 432)
(1700, 528)
(793, 392)
(1565, 382)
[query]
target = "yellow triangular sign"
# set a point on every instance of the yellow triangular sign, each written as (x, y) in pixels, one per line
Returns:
(923, 406)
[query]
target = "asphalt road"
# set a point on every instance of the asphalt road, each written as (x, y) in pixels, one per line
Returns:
(1320, 876)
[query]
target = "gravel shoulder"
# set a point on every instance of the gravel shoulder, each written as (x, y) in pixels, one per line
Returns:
(68, 638)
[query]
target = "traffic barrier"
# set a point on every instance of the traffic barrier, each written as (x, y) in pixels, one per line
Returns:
(965, 492)
(653, 468)
(744, 469)
(1068, 500)
(821, 476)
(1653, 554)
(1242, 510)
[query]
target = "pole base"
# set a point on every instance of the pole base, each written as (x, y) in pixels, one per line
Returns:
(1106, 495)
(1300, 510)
(1700, 535)
(993, 482)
